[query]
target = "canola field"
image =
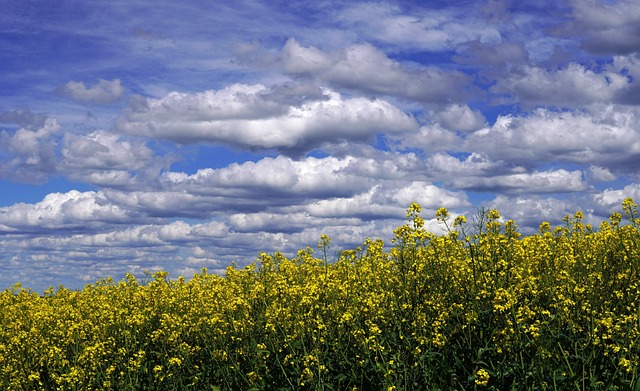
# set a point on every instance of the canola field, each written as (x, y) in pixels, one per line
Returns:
(481, 307)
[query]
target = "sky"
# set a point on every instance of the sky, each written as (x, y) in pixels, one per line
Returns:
(141, 135)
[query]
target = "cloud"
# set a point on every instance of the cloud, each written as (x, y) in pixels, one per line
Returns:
(460, 118)
(604, 135)
(364, 68)
(252, 117)
(388, 200)
(442, 165)
(529, 211)
(107, 159)
(64, 211)
(424, 29)
(279, 179)
(600, 174)
(430, 138)
(28, 155)
(610, 200)
(605, 27)
(478, 173)
(104, 92)
(493, 59)
(630, 67)
(284, 222)
(24, 118)
(572, 86)
(550, 181)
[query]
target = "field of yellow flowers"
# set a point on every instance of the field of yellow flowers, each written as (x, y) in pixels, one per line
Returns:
(478, 308)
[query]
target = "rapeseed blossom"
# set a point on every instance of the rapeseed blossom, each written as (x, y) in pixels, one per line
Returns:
(482, 377)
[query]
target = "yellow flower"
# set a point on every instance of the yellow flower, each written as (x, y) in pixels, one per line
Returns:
(482, 377)
(626, 365)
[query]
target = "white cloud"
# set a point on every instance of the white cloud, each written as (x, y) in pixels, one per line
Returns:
(378, 165)
(603, 135)
(389, 200)
(493, 60)
(630, 66)
(310, 60)
(166, 203)
(104, 150)
(431, 138)
(104, 92)
(362, 205)
(475, 164)
(24, 118)
(29, 155)
(71, 210)
(285, 221)
(279, 175)
(550, 181)
(477, 172)
(430, 29)
(364, 68)
(607, 27)
(529, 211)
(248, 117)
(600, 174)
(460, 118)
(429, 196)
(610, 200)
(107, 159)
(572, 86)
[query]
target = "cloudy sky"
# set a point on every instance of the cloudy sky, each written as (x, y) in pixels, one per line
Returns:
(141, 135)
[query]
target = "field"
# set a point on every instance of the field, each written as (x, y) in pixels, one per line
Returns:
(481, 307)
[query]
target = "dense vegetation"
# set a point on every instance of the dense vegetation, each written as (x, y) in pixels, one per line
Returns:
(480, 307)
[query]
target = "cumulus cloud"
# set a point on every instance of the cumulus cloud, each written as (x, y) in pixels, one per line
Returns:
(600, 174)
(364, 68)
(572, 86)
(71, 210)
(529, 211)
(460, 118)
(610, 200)
(104, 92)
(389, 200)
(283, 222)
(101, 149)
(24, 118)
(107, 159)
(630, 67)
(493, 60)
(430, 138)
(550, 181)
(479, 173)
(604, 135)
(279, 179)
(28, 155)
(249, 117)
(443, 165)
(605, 27)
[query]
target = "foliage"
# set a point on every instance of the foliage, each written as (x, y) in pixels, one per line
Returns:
(479, 307)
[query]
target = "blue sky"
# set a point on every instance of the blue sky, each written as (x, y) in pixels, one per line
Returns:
(139, 135)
